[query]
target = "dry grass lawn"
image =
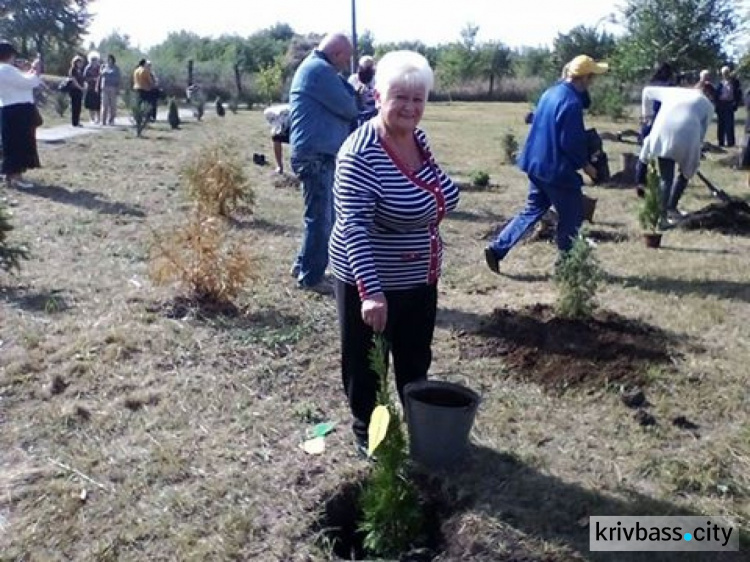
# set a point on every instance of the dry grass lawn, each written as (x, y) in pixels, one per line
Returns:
(128, 434)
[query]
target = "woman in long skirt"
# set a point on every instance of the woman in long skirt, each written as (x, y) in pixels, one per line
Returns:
(19, 117)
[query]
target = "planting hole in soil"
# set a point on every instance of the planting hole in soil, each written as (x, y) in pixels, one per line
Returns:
(731, 218)
(557, 353)
(341, 516)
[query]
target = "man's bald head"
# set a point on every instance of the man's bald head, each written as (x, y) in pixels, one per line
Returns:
(338, 48)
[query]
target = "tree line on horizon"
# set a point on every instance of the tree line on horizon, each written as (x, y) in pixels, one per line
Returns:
(690, 34)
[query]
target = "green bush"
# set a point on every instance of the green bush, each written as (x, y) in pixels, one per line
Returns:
(577, 277)
(480, 178)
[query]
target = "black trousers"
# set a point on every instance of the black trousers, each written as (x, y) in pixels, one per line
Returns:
(409, 331)
(18, 133)
(725, 123)
(76, 101)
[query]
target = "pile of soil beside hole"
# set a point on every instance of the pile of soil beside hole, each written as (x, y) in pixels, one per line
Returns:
(732, 217)
(558, 353)
(341, 516)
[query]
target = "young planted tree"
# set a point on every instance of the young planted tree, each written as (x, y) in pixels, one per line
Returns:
(173, 114)
(202, 260)
(62, 102)
(139, 115)
(577, 276)
(392, 513)
(510, 147)
(216, 181)
(649, 212)
(10, 255)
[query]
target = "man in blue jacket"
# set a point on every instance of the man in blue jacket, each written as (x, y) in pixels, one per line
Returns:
(322, 109)
(555, 150)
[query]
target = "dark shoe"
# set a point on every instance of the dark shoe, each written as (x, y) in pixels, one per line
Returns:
(294, 272)
(491, 259)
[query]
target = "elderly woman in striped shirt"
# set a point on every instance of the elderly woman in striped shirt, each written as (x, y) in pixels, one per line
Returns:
(385, 249)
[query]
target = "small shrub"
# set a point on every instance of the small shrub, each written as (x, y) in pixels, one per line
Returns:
(10, 255)
(217, 181)
(510, 147)
(201, 260)
(392, 514)
(173, 115)
(139, 114)
(480, 179)
(649, 212)
(198, 100)
(62, 102)
(577, 276)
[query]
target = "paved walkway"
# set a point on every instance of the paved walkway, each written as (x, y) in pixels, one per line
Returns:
(61, 133)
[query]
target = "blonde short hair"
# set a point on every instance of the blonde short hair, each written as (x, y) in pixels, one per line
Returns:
(403, 68)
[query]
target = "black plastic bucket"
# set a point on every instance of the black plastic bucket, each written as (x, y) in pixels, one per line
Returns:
(439, 416)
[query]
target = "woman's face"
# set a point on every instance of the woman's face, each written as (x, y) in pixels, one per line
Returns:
(402, 107)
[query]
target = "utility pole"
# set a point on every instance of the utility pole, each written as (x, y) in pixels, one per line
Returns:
(354, 36)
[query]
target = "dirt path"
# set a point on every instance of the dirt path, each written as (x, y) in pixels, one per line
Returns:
(62, 133)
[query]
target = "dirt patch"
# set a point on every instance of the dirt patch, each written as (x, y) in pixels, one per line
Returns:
(732, 217)
(559, 353)
(341, 515)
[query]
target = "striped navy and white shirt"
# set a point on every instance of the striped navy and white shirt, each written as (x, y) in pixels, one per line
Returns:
(386, 235)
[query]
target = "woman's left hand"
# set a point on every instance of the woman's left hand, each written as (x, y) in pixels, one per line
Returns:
(375, 312)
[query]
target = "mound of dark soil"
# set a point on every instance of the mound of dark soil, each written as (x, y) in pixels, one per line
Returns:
(732, 217)
(558, 353)
(342, 515)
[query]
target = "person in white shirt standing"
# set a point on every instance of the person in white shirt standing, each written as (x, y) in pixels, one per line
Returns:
(676, 139)
(19, 117)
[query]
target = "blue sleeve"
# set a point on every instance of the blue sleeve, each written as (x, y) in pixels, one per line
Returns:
(573, 135)
(334, 94)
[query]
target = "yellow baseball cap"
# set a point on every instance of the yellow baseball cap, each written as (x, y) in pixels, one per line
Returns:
(583, 65)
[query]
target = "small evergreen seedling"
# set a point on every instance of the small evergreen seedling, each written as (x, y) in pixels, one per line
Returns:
(392, 514)
(650, 210)
(510, 147)
(577, 276)
(62, 102)
(217, 181)
(198, 99)
(480, 179)
(139, 113)
(10, 256)
(173, 116)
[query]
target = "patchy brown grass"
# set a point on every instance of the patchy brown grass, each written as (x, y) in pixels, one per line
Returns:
(184, 429)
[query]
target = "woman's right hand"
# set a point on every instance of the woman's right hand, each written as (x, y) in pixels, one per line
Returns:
(375, 312)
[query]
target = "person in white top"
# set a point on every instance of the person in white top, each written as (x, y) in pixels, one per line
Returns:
(676, 139)
(277, 117)
(19, 117)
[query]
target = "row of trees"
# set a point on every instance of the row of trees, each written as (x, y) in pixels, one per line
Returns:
(692, 34)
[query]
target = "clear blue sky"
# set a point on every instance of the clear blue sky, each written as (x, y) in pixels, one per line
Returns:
(528, 22)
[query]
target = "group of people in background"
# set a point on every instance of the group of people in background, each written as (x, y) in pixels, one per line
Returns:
(96, 87)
